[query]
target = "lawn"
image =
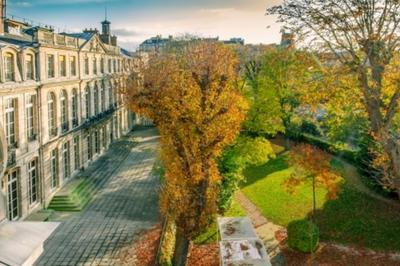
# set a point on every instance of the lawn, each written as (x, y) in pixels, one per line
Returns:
(353, 218)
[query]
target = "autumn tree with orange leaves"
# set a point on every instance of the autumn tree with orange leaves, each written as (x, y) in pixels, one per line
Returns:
(190, 95)
(312, 164)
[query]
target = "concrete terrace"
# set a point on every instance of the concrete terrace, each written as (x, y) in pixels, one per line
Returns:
(125, 205)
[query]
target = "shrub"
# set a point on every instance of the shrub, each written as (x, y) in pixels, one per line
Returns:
(303, 235)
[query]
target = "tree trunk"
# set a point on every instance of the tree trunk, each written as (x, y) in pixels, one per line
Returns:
(181, 249)
(314, 198)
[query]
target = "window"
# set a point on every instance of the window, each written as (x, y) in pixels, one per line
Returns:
(77, 162)
(9, 67)
(33, 182)
(11, 107)
(63, 65)
(30, 118)
(75, 119)
(104, 137)
(102, 65)
(110, 96)
(73, 65)
(97, 141)
(54, 168)
(86, 66)
(89, 147)
(51, 108)
(66, 160)
(64, 111)
(109, 65)
(95, 65)
(50, 66)
(29, 67)
(87, 102)
(96, 100)
(12, 195)
(115, 66)
(102, 98)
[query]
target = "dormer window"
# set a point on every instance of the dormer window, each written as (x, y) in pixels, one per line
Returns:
(29, 67)
(9, 74)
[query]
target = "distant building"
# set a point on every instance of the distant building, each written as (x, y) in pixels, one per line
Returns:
(59, 108)
(157, 43)
(287, 40)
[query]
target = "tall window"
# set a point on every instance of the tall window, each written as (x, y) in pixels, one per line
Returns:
(88, 101)
(64, 110)
(95, 65)
(9, 67)
(63, 65)
(73, 65)
(30, 117)
(104, 137)
(89, 147)
(115, 66)
(50, 66)
(96, 100)
(110, 95)
(66, 160)
(77, 161)
(11, 107)
(102, 97)
(29, 67)
(54, 168)
(97, 141)
(109, 66)
(102, 65)
(12, 195)
(86, 66)
(33, 182)
(51, 107)
(75, 119)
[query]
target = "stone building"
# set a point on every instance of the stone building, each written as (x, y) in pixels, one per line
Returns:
(59, 108)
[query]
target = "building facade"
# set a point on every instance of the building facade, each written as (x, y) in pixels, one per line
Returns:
(60, 108)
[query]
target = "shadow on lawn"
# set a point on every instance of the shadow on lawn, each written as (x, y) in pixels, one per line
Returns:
(355, 218)
(255, 173)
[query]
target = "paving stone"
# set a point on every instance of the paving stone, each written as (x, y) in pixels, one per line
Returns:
(126, 204)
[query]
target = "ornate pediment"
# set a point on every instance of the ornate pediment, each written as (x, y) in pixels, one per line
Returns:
(94, 45)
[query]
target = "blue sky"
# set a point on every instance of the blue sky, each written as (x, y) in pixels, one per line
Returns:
(136, 20)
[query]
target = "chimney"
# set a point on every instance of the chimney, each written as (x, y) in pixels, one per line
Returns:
(2, 16)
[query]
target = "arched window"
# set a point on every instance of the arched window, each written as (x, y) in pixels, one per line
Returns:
(75, 117)
(88, 101)
(51, 106)
(96, 100)
(64, 110)
(9, 73)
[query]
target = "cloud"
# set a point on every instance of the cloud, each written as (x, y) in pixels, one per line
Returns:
(126, 32)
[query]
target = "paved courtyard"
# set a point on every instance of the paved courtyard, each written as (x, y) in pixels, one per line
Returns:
(125, 205)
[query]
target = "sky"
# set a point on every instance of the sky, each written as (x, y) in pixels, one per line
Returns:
(133, 21)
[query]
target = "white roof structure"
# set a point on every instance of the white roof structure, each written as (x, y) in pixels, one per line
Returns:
(240, 244)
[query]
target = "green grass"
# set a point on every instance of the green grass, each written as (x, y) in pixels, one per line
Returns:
(210, 235)
(264, 187)
(352, 218)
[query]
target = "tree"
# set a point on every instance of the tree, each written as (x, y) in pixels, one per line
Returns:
(190, 95)
(275, 85)
(244, 152)
(311, 163)
(363, 35)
